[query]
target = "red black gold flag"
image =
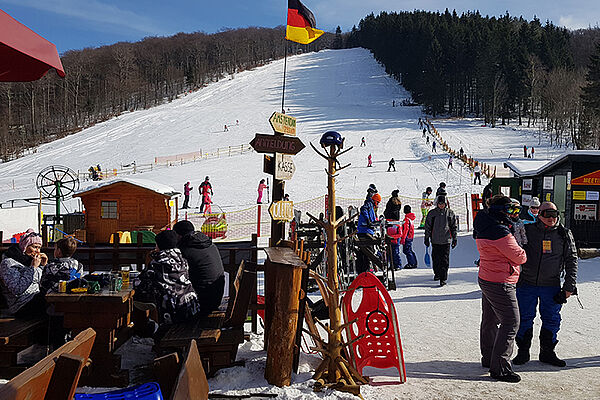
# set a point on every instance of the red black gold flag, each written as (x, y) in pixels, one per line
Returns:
(301, 24)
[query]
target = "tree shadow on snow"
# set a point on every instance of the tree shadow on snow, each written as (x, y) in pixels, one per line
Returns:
(435, 369)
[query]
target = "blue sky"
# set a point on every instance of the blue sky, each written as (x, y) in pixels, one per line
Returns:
(75, 24)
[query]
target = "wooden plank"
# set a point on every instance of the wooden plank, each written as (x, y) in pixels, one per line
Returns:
(12, 328)
(191, 382)
(284, 256)
(166, 371)
(65, 377)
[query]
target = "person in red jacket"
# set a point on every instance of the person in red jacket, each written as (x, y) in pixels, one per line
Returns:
(408, 234)
(186, 192)
(206, 192)
(499, 269)
(261, 186)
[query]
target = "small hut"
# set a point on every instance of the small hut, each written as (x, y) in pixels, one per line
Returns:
(126, 204)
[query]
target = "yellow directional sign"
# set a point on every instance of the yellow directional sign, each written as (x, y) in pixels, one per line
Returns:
(282, 210)
(282, 123)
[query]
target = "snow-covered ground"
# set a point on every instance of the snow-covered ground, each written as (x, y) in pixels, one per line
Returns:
(347, 91)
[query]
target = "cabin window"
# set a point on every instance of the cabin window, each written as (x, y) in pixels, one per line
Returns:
(109, 210)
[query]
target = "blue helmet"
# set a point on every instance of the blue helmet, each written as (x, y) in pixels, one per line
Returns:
(331, 138)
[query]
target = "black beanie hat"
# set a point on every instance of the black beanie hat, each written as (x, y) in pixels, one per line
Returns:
(395, 193)
(166, 240)
(407, 209)
(183, 227)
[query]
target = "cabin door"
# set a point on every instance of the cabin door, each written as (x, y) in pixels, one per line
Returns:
(146, 211)
(109, 220)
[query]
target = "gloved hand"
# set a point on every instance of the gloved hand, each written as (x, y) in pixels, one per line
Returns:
(454, 242)
(427, 242)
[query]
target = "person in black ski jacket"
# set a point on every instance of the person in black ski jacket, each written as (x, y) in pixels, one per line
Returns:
(551, 252)
(393, 207)
(205, 265)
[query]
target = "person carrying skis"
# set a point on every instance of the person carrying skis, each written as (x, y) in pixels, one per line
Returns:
(261, 186)
(206, 192)
(426, 203)
(369, 161)
(408, 234)
(186, 192)
(392, 164)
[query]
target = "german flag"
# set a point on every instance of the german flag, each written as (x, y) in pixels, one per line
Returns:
(301, 23)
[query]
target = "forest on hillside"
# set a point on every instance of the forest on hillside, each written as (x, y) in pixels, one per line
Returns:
(505, 70)
(103, 82)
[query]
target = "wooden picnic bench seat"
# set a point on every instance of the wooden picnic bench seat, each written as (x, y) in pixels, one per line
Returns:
(182, 380)
(55, 377)
(17, 334)
(219, 334)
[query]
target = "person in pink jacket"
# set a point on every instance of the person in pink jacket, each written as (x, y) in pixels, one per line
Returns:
(261, 186)
(499, 268)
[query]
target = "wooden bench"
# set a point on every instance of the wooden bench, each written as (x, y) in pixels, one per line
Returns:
(16, 335)
(55, 377)
(219, 334)
(182, 381)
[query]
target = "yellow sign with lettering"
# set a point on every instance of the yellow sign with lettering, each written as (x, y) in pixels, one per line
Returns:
(282, 123)
(578, 195)
(282, 210)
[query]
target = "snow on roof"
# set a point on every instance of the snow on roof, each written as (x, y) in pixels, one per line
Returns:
(531, 167)
(144, 183)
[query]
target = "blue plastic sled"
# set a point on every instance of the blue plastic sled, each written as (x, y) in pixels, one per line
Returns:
(146, 391)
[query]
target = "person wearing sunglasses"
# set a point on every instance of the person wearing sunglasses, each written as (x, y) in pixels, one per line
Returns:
(532, 212)
(550, 251)
(20, 274)
(500, 257)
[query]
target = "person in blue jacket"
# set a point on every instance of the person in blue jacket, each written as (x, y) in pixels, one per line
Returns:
(366, 220)
(533, 210)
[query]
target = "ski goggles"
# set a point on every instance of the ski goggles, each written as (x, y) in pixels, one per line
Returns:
(549, 213)
(512, 209)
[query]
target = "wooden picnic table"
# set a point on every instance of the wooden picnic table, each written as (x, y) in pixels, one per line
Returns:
(109, 314)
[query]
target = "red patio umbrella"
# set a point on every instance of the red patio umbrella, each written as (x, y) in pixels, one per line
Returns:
(24, 55)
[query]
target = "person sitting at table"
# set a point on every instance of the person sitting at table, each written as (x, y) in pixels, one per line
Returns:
(20, 274)
(63, 267)
(206, 268)
(165, 282)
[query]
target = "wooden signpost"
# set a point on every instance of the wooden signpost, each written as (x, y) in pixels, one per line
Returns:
(283, 144)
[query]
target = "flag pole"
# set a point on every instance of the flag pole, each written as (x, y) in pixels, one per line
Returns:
(284, 70)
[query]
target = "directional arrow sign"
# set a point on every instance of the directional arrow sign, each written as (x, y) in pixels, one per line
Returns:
(284, 166)
(276, 144)
(282, 123)
(282, 210)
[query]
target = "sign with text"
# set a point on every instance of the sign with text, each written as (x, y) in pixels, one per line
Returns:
(282, 210)
(585, 212)
(592, 179)
(282, 123)
(269, 165)
(578, 195)
(284, 166)
(276, 144)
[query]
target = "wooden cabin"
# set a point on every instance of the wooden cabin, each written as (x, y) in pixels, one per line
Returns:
(126, 204)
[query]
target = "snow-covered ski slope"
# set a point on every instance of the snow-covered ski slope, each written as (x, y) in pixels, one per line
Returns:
(342, 90)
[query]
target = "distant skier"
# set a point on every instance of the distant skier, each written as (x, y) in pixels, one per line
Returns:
(525, 151)
(206, 192)
(421, 124)
(261, 186)
(427, 136)
(186, 192)
(393, 103)
(369, 161)
(532, 152)
(477, 172)
(461, 152)
(392, 164)
(237, 122)
(362, 142)
(226, 129)
(433, 147)
(450, 162)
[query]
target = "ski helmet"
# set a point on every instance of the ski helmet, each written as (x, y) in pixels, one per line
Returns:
(331, 138)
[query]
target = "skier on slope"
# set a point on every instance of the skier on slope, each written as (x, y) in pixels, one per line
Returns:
(362, 142)
(369, 161)
(206, 192)
(433, 147)
(477, 172)
(450, 163)
(392, 164)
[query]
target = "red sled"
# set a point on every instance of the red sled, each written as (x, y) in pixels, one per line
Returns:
(375, 315)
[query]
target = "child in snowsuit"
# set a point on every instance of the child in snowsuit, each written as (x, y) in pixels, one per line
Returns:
(261, 186)
(395, 233)
(62, 268)
(206, 191)
(408, 234)
(518, 227)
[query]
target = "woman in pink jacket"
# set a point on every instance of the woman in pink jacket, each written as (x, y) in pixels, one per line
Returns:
(261, 186)
(499, 268)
